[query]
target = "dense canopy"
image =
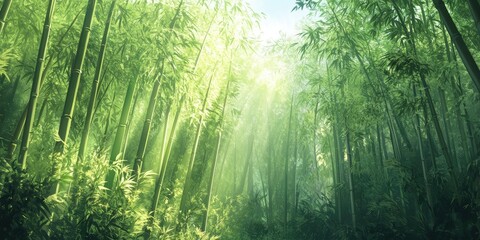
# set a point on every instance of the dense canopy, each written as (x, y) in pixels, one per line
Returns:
(176, 119)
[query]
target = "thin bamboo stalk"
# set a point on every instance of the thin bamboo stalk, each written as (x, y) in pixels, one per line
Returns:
(457, 39)
(95, 85)
(3, 13)
(36, 83)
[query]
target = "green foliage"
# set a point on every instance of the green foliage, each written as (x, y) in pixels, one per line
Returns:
(5, 57)
(23, 208)
(326, 135)
(95, 212)
(405, 65)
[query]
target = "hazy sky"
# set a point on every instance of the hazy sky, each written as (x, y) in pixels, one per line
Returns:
(279, 17)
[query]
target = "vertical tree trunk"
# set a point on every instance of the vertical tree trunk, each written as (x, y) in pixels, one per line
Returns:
(3, 13)
(422, 157)
(270, 219)
(16, 135)
(438, 130)
(159, 177)
(471, 133)
(397, 153)
(431, 143)
(457, 95)
(129, 122)
(172, 135)
(336, 175)
(380, 149)
(42, 109)
(294, 177)
(49, 65)
(339, 164)
(32, 104)
(350, 180)
(68, 110)
(447, 127)
(142, 145)
(95, 85)
(120, 136)
(287, 158)
(315, 114)
(215, 158)
(186, 185)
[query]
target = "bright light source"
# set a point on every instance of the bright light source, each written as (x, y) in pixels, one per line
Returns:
(267, 78)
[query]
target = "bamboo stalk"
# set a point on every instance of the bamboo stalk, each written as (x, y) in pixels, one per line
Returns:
(186, 185)
(216, 156)
(457, 39)
(36, 83)
(95, 85)
(74, 83)
(3, 13)
(68, 110)
(121, 133)
(138, 163)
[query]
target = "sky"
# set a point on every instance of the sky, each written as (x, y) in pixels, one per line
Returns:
(279, 18)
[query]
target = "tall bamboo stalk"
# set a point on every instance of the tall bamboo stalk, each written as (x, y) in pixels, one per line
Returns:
(422, 157)
(294, 177)
(138, 163)
(16, 134)
(457, 95)
(457, 39)
(438, 130)
(182, 99)
(21, 122)
(315, 116)
(350, 180)
(4, 12)
(69, 107)
(68, 110)
(159, 177)
(142, 145)
(95, 85)
(215, 157)
(387, 97)
(186, 185)
(121, 133)
(32, 104)
(287, 158)
(42, 109)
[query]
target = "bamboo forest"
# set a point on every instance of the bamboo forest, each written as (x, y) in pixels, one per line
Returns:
(240, 119)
